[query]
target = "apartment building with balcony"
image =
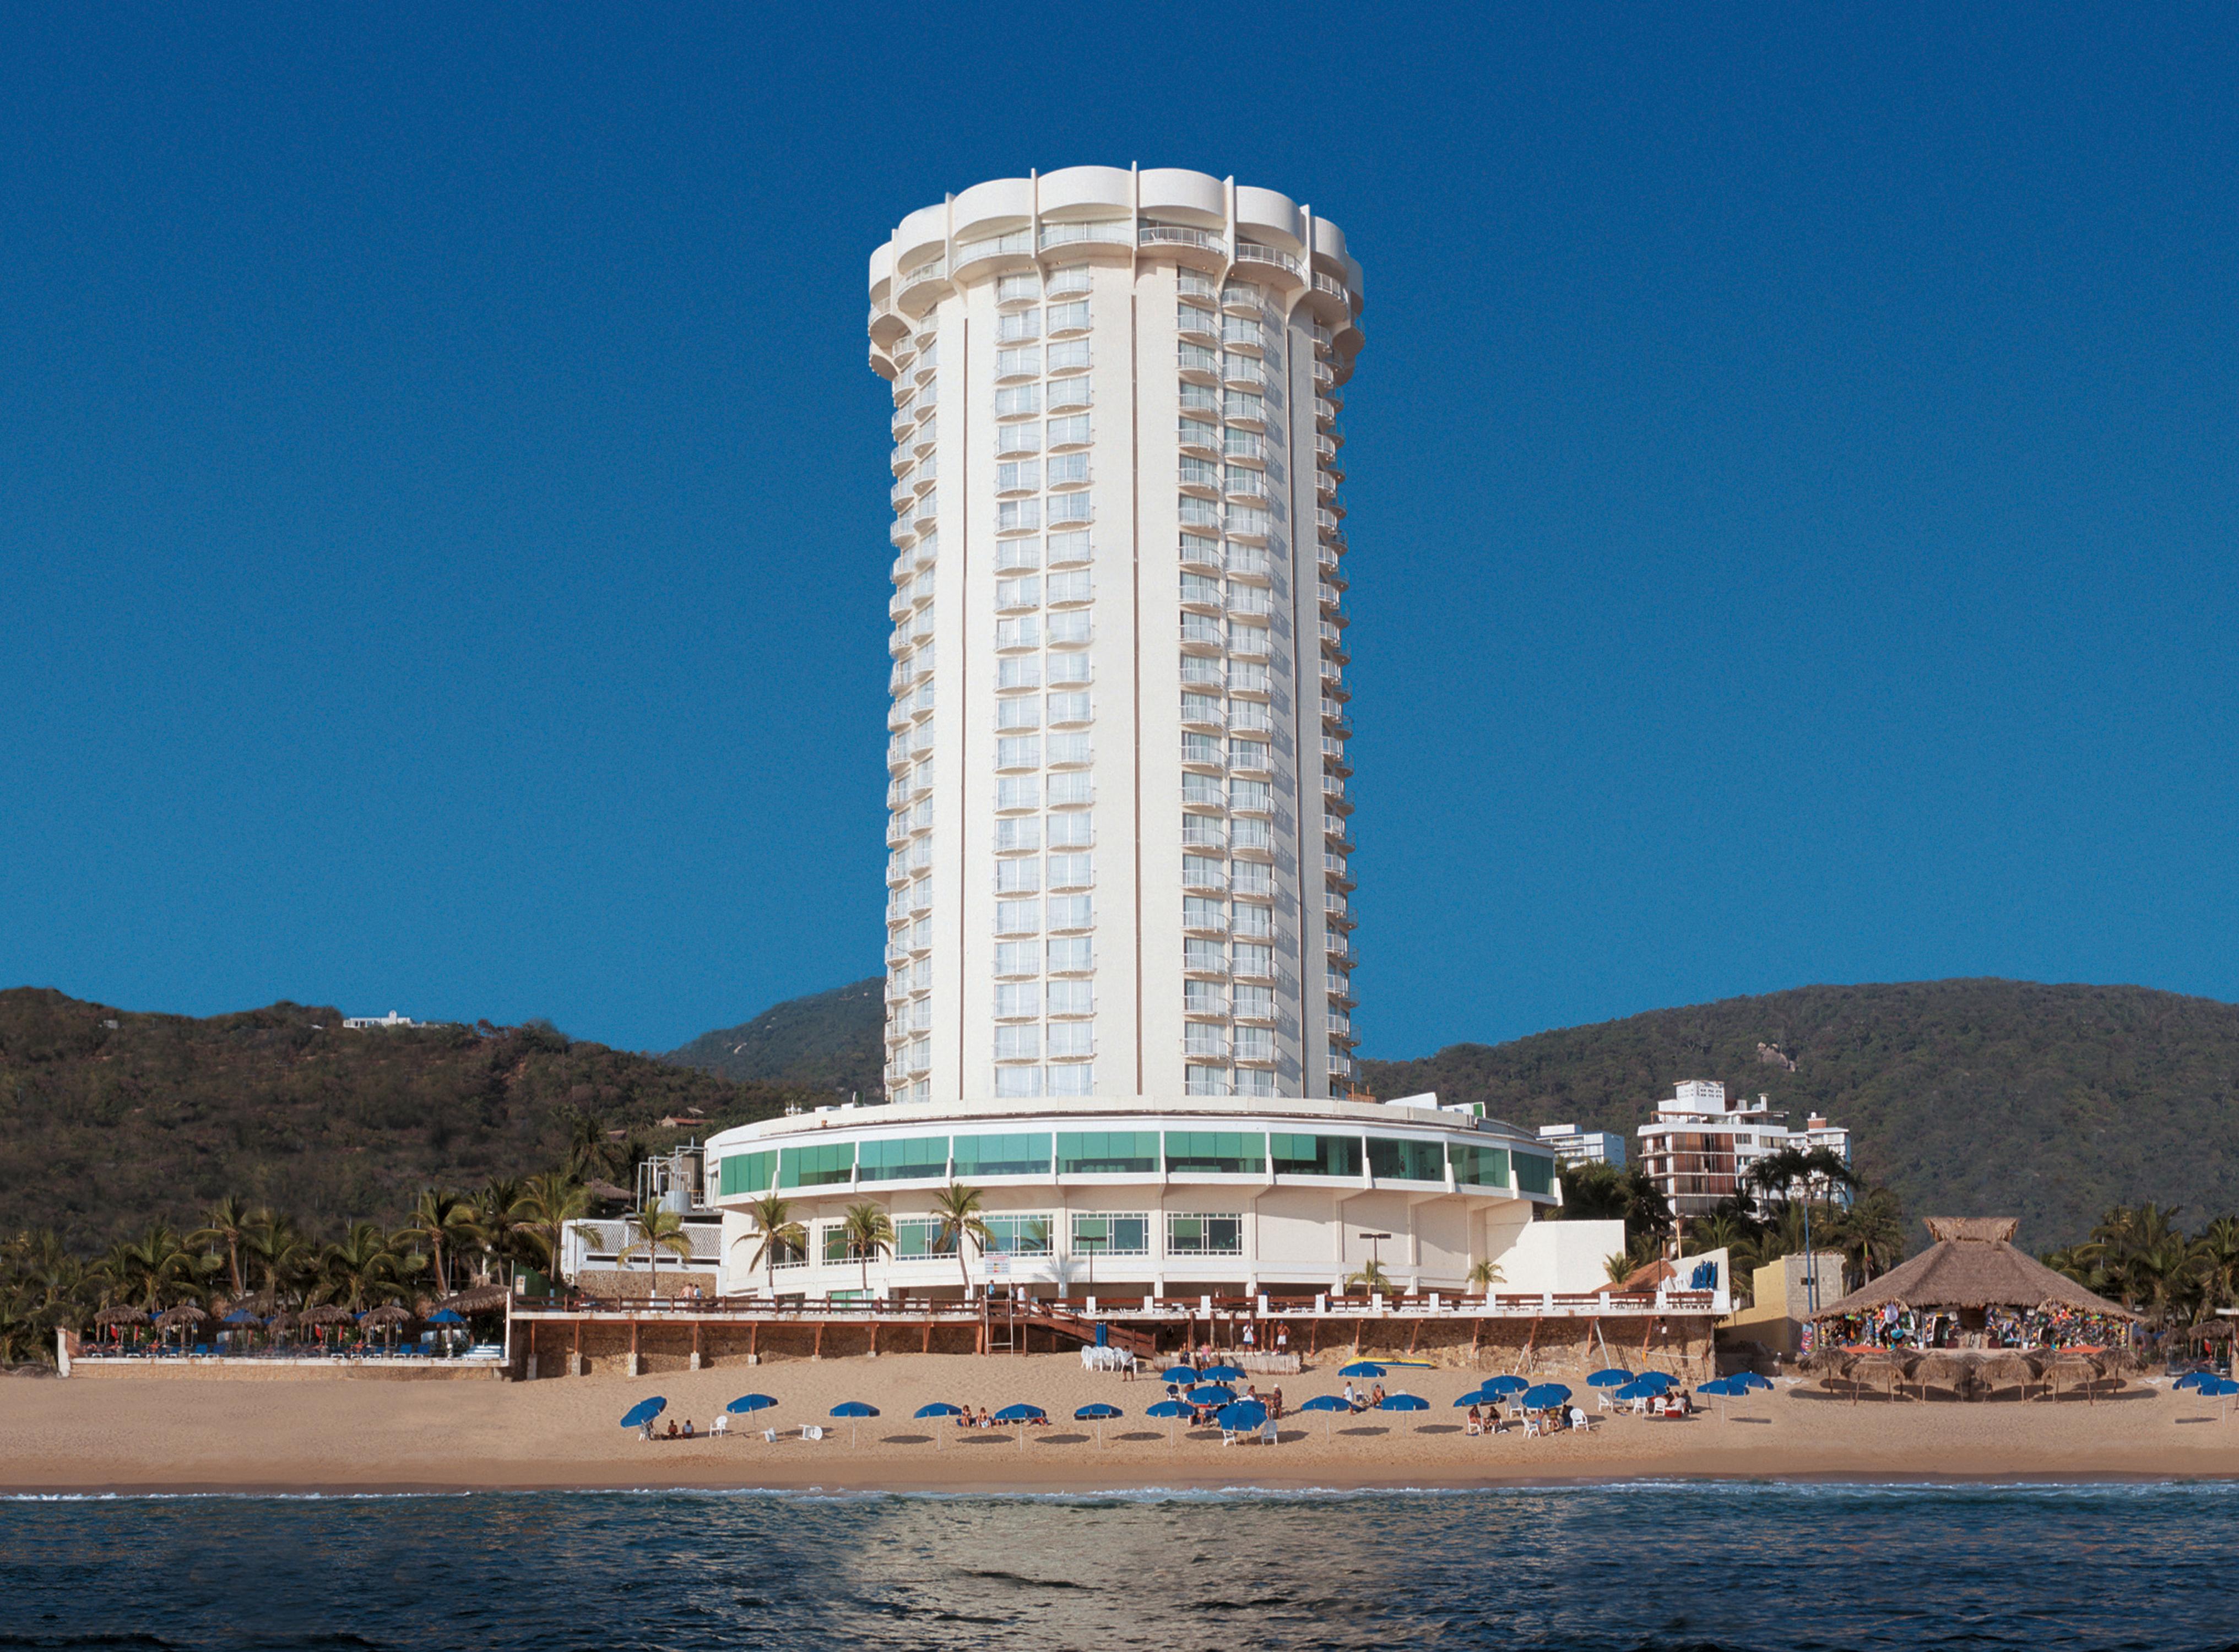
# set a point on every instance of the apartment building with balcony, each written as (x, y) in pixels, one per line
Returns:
(1119, 819)
(1703, 1144)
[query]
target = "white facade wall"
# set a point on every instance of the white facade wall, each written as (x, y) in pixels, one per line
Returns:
(1115, 471)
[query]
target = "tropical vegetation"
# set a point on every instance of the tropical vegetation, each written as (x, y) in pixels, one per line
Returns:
(2139, 1257)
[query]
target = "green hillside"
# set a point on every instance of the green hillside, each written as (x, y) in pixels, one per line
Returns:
(827, 1041)
(1967, 1097)
(105, 1127)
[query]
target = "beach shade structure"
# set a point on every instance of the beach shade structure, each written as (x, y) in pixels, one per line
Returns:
(853, 1410)
(1404, 1403)
(1183, 1374)
(643, 1412)
(1751, 1380)
(2192, 1379)
(1211, 1394)
(121, 1315)
(1502, 1387)
(748, 1404)
(1361, 1367)
(1722, 1389)
(1022, 1415)
(1245, 1416)
(1099, 1414)
(1222, 1374)
(446, 1317)
(240, 1317)
(1169, 1409)
(1545, 1396)
(1326, 1403)
(1658, 1382)
(1475, 1396)
(1613, 1376)
(477, 1299)
(935, 1411)
(1637, 1390)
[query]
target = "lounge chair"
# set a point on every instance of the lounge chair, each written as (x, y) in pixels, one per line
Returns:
(812, 1432)
(1531, 1428)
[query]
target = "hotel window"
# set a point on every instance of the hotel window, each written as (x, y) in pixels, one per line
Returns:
(1019, 633)
(746, 1173)
(1202, 748)
(1253, 834)
(1203, 791)
(1255, 1081)
(917, 1238)
(1071, 830)
(1012, 440)
(1072, 431)
(1019, 327)
(1019, 1043)
(1069, 750)
(1254, 796)
(1394, 1159)
(1068, 626)
(1204, 998)
(1074, 586)
(1018, 516)
(1216, 1152)
(1199, 473)
(1017, 918)
(1072, 1040)
(1107, 1153)
(1011, 1155)
(1254, 920)
(1069, 791)
(1065, 394)
(1110, 1234)
(1255, 1003)
(1315, 1155)
(1021, 476)
(834, 1247)
(1018, 714)
(1017, 289)
(1069, 668)
(1197, 433)
(1018, 399)
(1071, 356)
(1018, 364)
(1014, 1082)
(1072, 1078)
(822, 1165)
(917, 1157)
(1073, 997)
(1070, 507)
(1475, 1166)
(1018, 876)
(1072, 912)
(1255, 1044)
(1018, 794)
(1205, 1081)
(1018, 957)
(1019, 1236)
(1020, 751)
(1018, 1000)
(1072, 955)
(1014, 833)
(1067, 467)
(1534, 1174)
(1068, 708)
(1204, 1235)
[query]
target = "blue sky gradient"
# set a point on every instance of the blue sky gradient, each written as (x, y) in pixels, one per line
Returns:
(442, 500)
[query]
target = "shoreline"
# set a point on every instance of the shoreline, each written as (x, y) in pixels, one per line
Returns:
(215, 1437)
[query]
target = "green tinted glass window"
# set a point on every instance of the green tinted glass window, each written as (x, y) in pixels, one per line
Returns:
(746, 1173)
(1534, 1174)
(1107, 1153)
(1027, 1155)
(895, 1161)
(1216, 1152)
(817, 1166)
(1315, 1155)
(1475, 1166)
(1110, 1236)
(1392, 1158)
(1204, 1235)
(919, 1236)
(1019, 1236)
(835, 1242)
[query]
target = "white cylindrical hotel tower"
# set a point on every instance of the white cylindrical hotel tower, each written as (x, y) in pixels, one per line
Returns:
(1117, 825)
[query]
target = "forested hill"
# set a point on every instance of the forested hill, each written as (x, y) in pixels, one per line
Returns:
(105, 1127)
(1967, 1097)
(832, 1041)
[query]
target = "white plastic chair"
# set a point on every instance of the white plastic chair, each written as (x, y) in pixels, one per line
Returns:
(812, 1432)
(1531, 1428)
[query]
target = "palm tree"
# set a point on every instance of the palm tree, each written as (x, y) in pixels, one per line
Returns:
(496, 1228)
(1871, 1232)
(867, 1229)
(550, 1203)
(229, 1224)
(657, 1228)
(153, 1271)
(779, 1233)
(443, 1220)
(1484, 1273)
(1370, 1278)
(2216, 1258)
(362, 1270)
(281, 1254)
(959, 1213)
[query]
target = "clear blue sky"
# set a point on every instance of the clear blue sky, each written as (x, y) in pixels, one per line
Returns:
(442, 500)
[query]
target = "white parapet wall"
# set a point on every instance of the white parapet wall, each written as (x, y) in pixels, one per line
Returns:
(1562, 1257)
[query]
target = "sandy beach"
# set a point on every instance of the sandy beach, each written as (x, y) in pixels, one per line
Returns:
(343, 1435)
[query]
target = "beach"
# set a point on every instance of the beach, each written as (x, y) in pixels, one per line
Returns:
(186, 1434)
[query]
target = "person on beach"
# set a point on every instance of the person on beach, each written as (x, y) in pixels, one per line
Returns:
(672, 1428)
(1251, 1337)
(687, 1428)
(1275, 1406)
(1282, 1339)
(1476, 1420)
(1375, 1395)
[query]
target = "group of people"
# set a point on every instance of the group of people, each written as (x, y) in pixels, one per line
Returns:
(647, 1431)
(1204, 1413)
(964, 1419)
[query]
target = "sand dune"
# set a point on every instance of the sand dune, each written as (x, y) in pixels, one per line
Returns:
(343, 1435)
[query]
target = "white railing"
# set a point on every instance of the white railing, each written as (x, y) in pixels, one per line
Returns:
(1176, 234)
(1250, 252)
(932, 269)
(1115, 231)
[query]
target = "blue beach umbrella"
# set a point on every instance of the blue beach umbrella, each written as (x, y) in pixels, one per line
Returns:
(1722, 1389)
(1179, 1374)
(2193, 1379)
(853, 1409)
(1499, 1387)
(446, 1317)
(1169, 1409)
(1222, 1373)
(643, 1412)
(748, 1404)
(937, 1408)
(1475, 1396)
(240, 1317)
(1405, 1402)
(1211, 1394)
(1326, 1403)
(1243, 1416)
(1658, 1381)
(1020, 1414)
(1361, 1367)
(1099, 1414)
(1615, 1376)
(1637, 1390)
(1547, 1394)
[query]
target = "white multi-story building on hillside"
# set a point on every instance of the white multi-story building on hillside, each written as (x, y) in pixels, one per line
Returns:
(1703, 1146)
(1118, 813)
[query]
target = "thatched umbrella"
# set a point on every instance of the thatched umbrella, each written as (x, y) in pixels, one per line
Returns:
(2071, 1367)
(180, 1318)
(387, 1317)
(2005, 1366)
(123, 1314)
(479, 1300)
(1885, 1366)
(325, 1313)
(1944, 1365)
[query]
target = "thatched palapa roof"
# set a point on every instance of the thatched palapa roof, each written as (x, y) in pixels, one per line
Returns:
(1973, 1264)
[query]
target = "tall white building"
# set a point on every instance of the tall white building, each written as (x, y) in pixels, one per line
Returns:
(1703, 1146)
(1117, 825)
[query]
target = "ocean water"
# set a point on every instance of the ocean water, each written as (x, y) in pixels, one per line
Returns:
(1621, 1567)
